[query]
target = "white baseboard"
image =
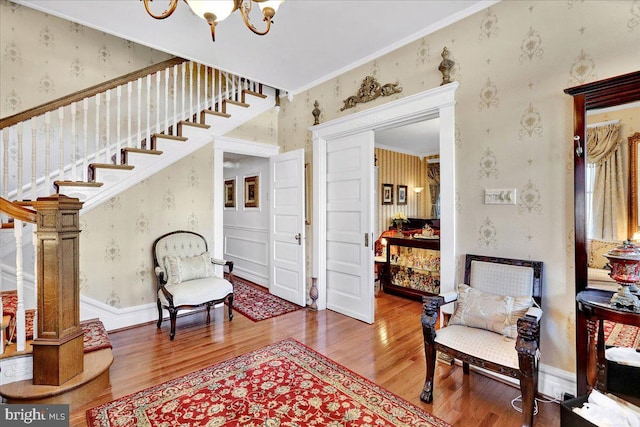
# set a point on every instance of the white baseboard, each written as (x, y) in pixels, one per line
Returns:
(117, 318)
(258, 279)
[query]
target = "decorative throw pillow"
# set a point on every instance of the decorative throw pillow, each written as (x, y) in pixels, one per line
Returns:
(597, 250)
(497, 313)
(182, 269)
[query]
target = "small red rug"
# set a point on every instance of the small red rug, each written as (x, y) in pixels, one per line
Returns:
(283, 384)
(619, 335)
(256, 304)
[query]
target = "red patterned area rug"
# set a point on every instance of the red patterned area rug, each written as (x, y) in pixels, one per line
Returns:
(283, 384)
(256, 304)
(619, 335)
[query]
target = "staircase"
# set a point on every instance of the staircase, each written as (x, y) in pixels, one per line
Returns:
(95, 144)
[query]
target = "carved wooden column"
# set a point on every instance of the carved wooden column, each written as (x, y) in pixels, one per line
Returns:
(58, 353)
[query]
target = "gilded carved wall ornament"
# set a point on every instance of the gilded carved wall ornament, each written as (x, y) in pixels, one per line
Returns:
(369, 90)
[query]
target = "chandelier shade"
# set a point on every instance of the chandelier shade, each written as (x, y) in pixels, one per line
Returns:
(214, 11)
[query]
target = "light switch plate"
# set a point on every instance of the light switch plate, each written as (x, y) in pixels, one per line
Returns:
(500, 196)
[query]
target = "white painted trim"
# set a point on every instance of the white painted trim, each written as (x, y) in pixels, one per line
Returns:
(252, 276)
(242, 146)
(405, 151)
(116, 318)
(263, 263)
(400, 43)
(437, 102)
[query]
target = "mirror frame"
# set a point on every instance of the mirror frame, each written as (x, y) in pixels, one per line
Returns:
(618, 90)
(634, 140)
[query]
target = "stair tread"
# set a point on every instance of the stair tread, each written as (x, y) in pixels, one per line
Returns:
(254, 93)
(66, 183)
(197, 125)
(173, 137)
(237, 103)
(142, 150)
(216, 113)
(110, 166)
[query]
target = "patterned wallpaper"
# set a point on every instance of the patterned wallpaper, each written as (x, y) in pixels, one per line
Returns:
(401, 169)
(45, 57)
(513, 126)
(116, 264)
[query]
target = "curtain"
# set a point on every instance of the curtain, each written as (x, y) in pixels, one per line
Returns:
(433, 178)
(609, 208)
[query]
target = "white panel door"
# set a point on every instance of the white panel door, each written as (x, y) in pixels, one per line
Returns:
(287, 229)
(349, 193)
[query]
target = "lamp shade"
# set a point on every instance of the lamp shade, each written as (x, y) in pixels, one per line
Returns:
(274, 4)
(220, 8)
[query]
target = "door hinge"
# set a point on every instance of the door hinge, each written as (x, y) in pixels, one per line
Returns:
(366, 240)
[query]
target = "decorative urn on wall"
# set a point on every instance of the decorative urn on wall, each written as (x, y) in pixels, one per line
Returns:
(625, 270)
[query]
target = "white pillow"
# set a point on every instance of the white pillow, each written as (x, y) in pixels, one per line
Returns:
(497, 313)
(182, 269)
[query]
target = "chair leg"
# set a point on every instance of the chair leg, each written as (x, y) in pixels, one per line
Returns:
(159, 313)
(428, 321)
(173, 313)
(208, 313)
(465, 368)
(230, 299)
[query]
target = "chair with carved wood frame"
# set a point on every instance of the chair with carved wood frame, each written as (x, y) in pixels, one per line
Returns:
(507, 291)
(186, 278)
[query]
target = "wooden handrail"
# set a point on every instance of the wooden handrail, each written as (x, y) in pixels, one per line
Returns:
(16, 211)
(86, 93)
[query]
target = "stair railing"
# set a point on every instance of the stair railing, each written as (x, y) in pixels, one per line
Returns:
(59, 140)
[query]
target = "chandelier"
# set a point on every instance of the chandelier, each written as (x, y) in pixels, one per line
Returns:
(214, 11)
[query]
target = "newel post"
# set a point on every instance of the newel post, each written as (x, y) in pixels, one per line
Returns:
(58, 353)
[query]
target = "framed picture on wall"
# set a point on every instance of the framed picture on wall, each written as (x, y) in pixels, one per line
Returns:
(387, 194)
(230, 193)
(251, 194)
(402, 194)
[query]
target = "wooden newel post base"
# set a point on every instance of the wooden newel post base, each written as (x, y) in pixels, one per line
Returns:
(58, 353)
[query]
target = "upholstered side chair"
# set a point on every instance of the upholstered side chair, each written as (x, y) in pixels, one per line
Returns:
(494, 326)
(186, 278)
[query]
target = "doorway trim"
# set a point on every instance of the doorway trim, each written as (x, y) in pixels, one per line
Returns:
(223, 145)
(437, 102)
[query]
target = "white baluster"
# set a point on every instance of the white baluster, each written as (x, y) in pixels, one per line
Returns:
(107, 124)
(206, 87)
(158, 104)
(95, 157)
(85, 125)
(184, 75)
(148, 107)
(20, 160)
(20, 320)
(198, 105)
(166, 101)
(118, 133)
(60, 143)
(47, 158)
(191, 91)
(34, 149)
(176, 117)
(219, 92)
(138, 141)
(129, 114)
(74, 144)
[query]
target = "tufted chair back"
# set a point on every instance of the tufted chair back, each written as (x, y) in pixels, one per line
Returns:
(179, 243)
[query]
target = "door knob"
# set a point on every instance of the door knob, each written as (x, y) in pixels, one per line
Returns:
(299, 238)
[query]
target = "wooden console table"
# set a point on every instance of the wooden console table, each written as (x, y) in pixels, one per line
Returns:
(412, 267)
(594, 305)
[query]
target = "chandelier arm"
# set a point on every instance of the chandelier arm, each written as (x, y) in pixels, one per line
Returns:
(172, 7)
(249, 25)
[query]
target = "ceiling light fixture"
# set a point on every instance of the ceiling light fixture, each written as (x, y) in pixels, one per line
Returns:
(214, 11)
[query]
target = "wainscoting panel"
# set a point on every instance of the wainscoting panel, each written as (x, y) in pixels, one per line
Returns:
(248, 248)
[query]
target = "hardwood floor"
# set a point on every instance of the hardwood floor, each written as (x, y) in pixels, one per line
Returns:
(389, 352)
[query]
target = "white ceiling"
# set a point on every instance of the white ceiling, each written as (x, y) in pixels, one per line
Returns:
(309, 42)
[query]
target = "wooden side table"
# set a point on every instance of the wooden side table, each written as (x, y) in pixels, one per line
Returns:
(595, 305)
